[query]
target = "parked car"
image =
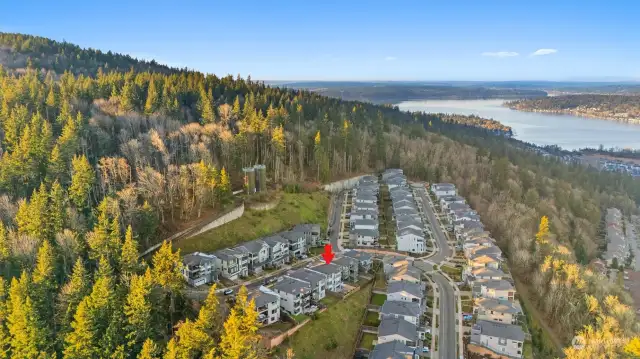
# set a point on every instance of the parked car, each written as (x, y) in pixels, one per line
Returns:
(304, 256)
(425, 349)
(228, 292)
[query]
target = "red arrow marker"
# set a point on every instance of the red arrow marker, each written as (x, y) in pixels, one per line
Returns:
(328, 253)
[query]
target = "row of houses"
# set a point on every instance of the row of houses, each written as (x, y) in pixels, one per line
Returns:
(411, 233)
(401, 331)
(363, 218)
(299, 291)
(496, 310)
(250, 257)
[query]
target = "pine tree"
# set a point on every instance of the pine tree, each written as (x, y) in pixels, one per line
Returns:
(205, 106)
(240, 338)
(209, 318)
(4, 245)
(138, 310)
(5, 338)
(22, 321)
(129, 254)
(80, 343)
(235, 111)
(542, 236)
(224, 188)
(57, 210)
(149, 350)
(171, 352)
(71, 295)
(114, 335)
(82, 179)
(57, 168)
(127, 97)
(167, 268)
(153, 99)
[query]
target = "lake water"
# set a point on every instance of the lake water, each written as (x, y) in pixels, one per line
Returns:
(569, 132)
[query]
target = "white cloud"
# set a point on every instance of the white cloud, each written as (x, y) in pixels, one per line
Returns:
(541, 52)
(390, 58)
(501, 54)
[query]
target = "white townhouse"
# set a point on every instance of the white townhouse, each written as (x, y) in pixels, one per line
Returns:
(407, 273)
(232, 263)
(391, 329)
(297, 243)
(497, 310)
(443, 189)
(311, 233)
(361, 214)
(363, 198)
(409, 222)
(405, 292)
(349, 268)
(278, 250)
(365, 237)
(258, 251)
(496, 289)
(409, 311)
(365, 224)
(365, 260)
(411, 240)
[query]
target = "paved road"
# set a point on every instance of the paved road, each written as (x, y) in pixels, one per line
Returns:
(447, 335)
(334, 220)
(444, 250)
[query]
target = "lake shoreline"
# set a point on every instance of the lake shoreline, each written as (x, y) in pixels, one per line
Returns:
(630, 121)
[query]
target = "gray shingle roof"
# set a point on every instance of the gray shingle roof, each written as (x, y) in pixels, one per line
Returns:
(227, 254)
(366, 232)
(306, 227)
(262, 298)
(411, 288)
(366, 206)
(391, 326)
(400, 308)
(273, 240)
(487, 272)
(498, 305)
(293, 286)
(404, 231)
(459, 206)
(253, 246)
(444, 185)
(292, 236)
(345, 261)
(497, 284)
(197, 258)
(327, 268)
(391, 350)
(365, 222)
(487, 250)
(500, 330)
(308, 276)
(407, 270)
(359, 255)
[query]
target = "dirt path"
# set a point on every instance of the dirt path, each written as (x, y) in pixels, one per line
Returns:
(523, 292)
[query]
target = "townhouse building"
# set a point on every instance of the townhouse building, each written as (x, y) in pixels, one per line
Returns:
(443, 189)
(231, 263)
(396, 329)
(497, 310)
(496, 289)
(365, 260)
(199, 268)
(411, 240)
(349, 267)
(267, 303)
(316, 280)
(297, 243)
(409, 311)
(503, 339)
(364, 237)
(278, 251)
(333, 272)
(393, 350)
(295, 295)
(405, 291)
(310, 232)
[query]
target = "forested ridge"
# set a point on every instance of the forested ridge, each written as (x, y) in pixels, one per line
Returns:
(625, 108)
(95, 163)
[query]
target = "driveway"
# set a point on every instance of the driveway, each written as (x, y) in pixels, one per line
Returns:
(447, 333)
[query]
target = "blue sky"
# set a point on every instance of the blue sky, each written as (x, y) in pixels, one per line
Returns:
(354, 40)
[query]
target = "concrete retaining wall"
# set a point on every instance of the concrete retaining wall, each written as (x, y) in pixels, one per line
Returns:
(264, 206)
(226, 218)
(342, 185)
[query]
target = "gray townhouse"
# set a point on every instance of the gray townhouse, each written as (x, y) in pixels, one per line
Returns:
(502, 339)
(311, 233)
(295, 295)
(278, 250)
(232, 263)
(497, 310)
(267, 303)
(297, 243)
(349, 268)
(369, 207)
(443, 189)
(333, 272)
(392, 350)
(316, 280)
(364, 237)
(365, 260)
(258, 252)
(404, 291)
(391, 329)
(409, 311)
(361, 214)
(199, 268)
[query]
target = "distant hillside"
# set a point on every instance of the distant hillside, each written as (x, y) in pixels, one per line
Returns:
(390, 93)
(623, 108)
(19, 51)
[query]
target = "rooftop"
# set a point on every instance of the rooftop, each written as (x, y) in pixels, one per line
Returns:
(500, 330)
(391, 350)
(408, 287)
(327, 268)
(359, 255)
(292, 286)
(498, 305)
(401, 308)
(366, 232)
(391, 326)
(263, 297)
(308, 276)
(197, 258)
(496, 284)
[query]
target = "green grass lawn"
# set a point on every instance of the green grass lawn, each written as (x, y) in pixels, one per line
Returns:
(372, 319)
(367, 340)
(378, 299)
(294, 208)
(300, 318)
(329, 300)
(334, 333)
(527, 352)
(454, 273)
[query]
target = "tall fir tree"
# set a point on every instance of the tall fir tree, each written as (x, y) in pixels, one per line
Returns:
(82, 179)
(80, 343)
(153, 99)
(71, 295)
(149, 350)
(138, 310)
(129, 254)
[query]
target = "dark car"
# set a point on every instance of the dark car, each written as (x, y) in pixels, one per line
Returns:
(228, 292)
